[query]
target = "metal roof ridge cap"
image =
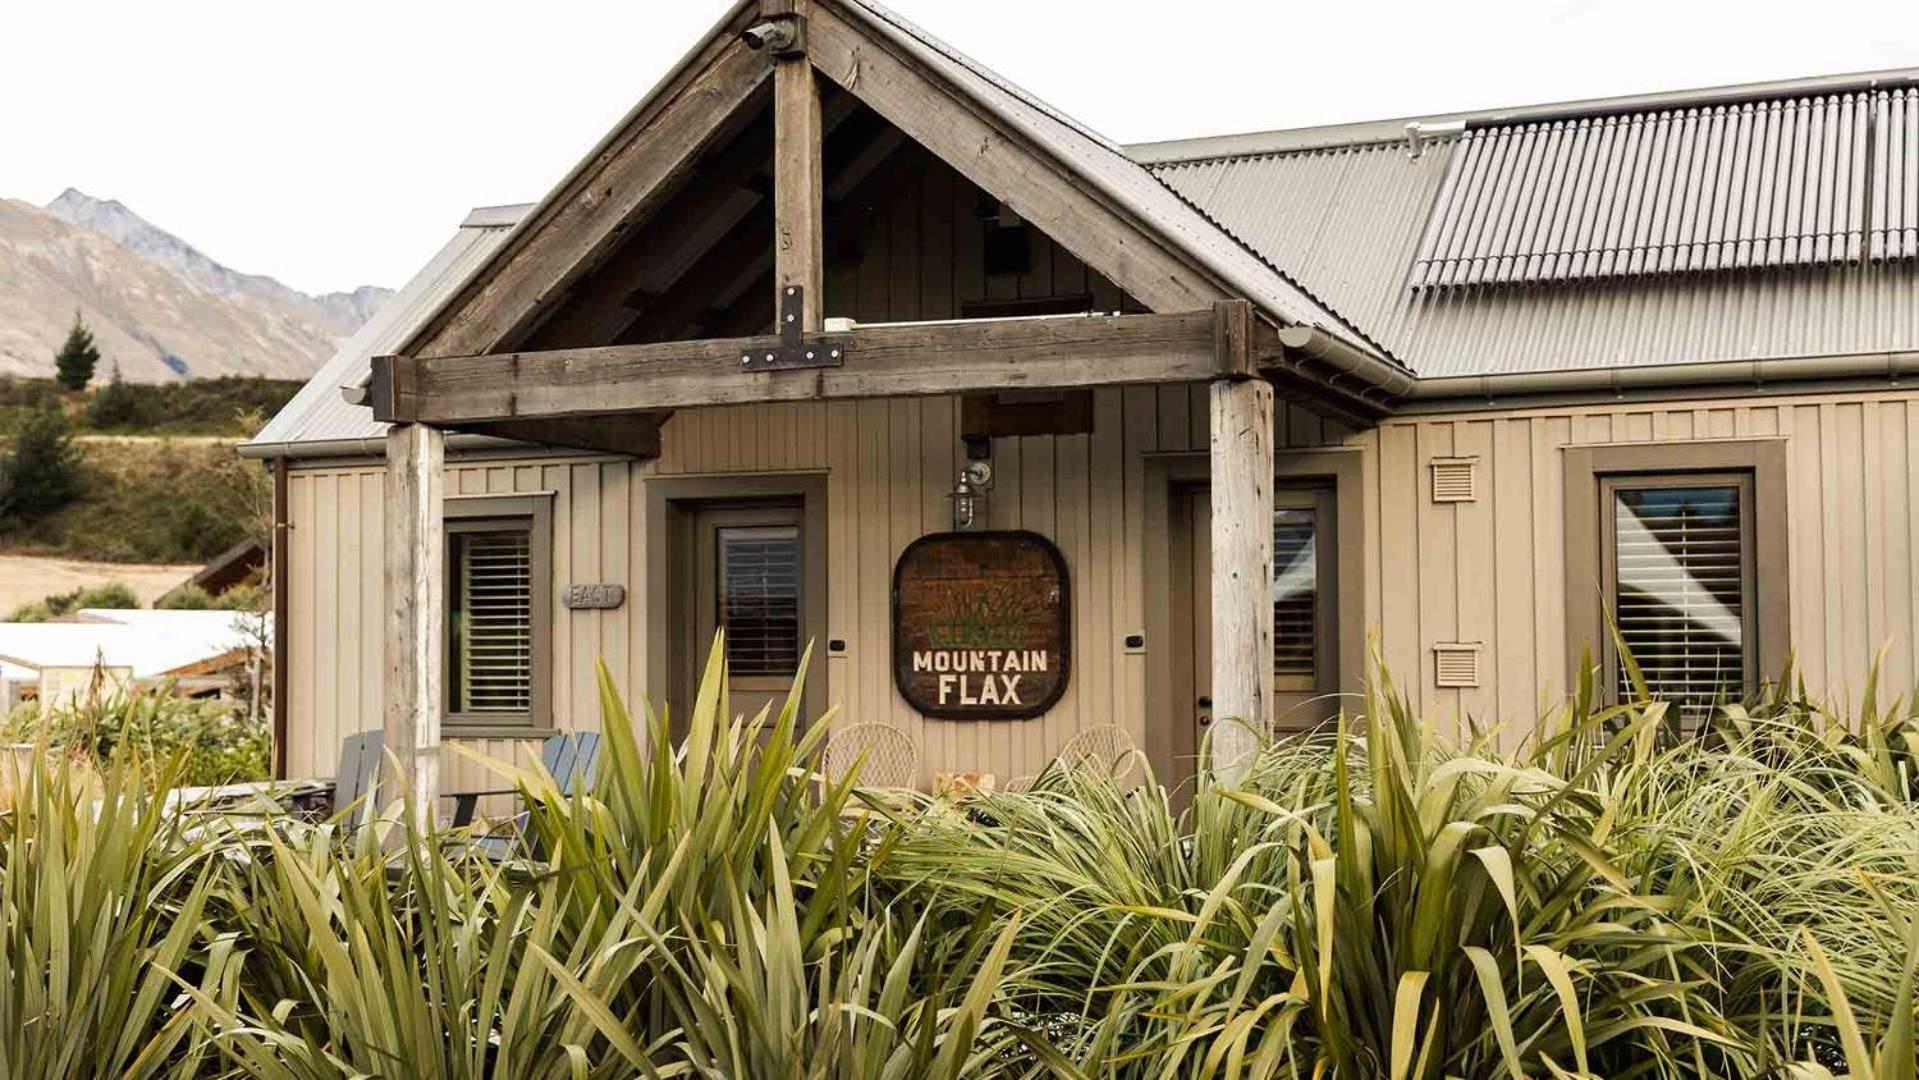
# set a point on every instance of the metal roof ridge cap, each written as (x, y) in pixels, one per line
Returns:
(1388, 130)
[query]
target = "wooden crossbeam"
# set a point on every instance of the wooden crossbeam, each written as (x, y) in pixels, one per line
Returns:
(637, 435)
(880, 361)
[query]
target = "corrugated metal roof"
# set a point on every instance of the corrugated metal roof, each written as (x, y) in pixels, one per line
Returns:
(318, 412)
(1348, 222)
(1784, 182)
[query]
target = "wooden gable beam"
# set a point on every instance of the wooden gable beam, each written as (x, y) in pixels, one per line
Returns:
(607, 195)
(798, 185)
(1004, 165)
(881, 361)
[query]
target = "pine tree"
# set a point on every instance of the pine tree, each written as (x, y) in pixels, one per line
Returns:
(73, 364)
(41, 470)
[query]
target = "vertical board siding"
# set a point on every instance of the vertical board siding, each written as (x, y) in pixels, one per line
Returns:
(336, 595)
(1493, 571)
(1490, 571)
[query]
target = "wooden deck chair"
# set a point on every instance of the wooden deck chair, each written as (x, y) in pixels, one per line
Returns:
(357, 774)
(571, 758)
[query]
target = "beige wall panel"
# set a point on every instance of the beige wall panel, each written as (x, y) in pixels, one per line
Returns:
(1493, 570)
(1490, 571)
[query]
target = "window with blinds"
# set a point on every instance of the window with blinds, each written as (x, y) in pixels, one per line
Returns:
(491, 609)
(759, 598)
(1682, 587)
(1296, 594)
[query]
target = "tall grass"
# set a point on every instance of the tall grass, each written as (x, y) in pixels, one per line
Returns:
(1374, 901)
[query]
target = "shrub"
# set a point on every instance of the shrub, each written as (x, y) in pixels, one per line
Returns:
(117, 406)
(113, 594)
(195, 742)
(249, 596)
(1373, 902)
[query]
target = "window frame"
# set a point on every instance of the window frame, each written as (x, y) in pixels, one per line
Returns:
(532, 513)
(710, 522)
(1323, 501)
(1610, 485)
(1593, 472)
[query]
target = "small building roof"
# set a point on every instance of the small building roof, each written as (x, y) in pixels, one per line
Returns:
(318, 413)
(147, 642)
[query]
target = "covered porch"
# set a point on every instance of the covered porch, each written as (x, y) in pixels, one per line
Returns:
(543, 347)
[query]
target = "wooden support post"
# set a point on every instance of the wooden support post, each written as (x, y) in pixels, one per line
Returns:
(798, 185)
(415, 623)
(1242, 547)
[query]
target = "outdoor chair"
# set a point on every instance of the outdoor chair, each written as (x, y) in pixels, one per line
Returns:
(1105, 748)
(886, 755)
(572, 758)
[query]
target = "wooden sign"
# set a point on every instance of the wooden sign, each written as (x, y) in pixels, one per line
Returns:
(982, 625)
(595, 596)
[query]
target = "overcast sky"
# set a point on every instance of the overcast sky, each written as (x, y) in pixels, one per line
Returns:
(337, 144)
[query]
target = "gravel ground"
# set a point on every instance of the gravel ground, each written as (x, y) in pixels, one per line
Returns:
(31, 577)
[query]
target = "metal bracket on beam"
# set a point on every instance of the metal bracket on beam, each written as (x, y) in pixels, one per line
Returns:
(795, 350)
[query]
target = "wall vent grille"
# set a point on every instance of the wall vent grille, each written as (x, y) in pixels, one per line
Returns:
(1456, 664)
(1455, 480)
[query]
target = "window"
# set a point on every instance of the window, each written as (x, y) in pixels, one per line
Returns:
(1682, 547)
(1678, 558)
(1304, 595)
(497, 613)
(759, 598)
(1295, 593)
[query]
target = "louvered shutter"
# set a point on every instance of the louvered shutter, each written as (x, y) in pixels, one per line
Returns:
(1681, 569)
(492, 608)
(1295, 594)
(759, 601)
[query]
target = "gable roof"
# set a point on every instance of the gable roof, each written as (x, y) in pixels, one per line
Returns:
(1330, 227)
(1092, 158)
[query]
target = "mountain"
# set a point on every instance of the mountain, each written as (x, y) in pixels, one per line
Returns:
(159, 308)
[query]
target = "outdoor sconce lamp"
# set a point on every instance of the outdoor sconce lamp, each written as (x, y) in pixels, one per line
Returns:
(969, 495)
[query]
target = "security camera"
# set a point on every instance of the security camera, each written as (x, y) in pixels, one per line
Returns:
(769, 35)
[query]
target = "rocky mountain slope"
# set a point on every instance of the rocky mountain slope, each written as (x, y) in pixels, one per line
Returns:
(159, 308)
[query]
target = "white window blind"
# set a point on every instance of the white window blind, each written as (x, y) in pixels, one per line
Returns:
(1681, 571)
(1295, 592)
(759, 601)
(492, 614)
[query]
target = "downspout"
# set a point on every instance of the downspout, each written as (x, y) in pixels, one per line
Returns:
(281, 617)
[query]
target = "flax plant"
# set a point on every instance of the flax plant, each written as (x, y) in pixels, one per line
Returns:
(103, 910)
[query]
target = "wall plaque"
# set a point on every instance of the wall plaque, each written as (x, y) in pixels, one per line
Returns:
(981, 625)
(593, 596)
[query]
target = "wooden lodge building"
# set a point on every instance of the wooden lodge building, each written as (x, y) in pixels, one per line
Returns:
(1202, 414)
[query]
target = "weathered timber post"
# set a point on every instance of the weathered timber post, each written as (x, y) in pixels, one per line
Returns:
(415, 615)
(798, 182)
(1242, 543)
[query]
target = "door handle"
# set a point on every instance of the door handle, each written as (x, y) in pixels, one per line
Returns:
(1205, 701)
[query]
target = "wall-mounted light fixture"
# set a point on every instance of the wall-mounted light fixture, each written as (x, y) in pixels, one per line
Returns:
(969, 496)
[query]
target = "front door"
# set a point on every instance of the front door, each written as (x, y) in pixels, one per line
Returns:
(1305, 660)
(748, 580)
